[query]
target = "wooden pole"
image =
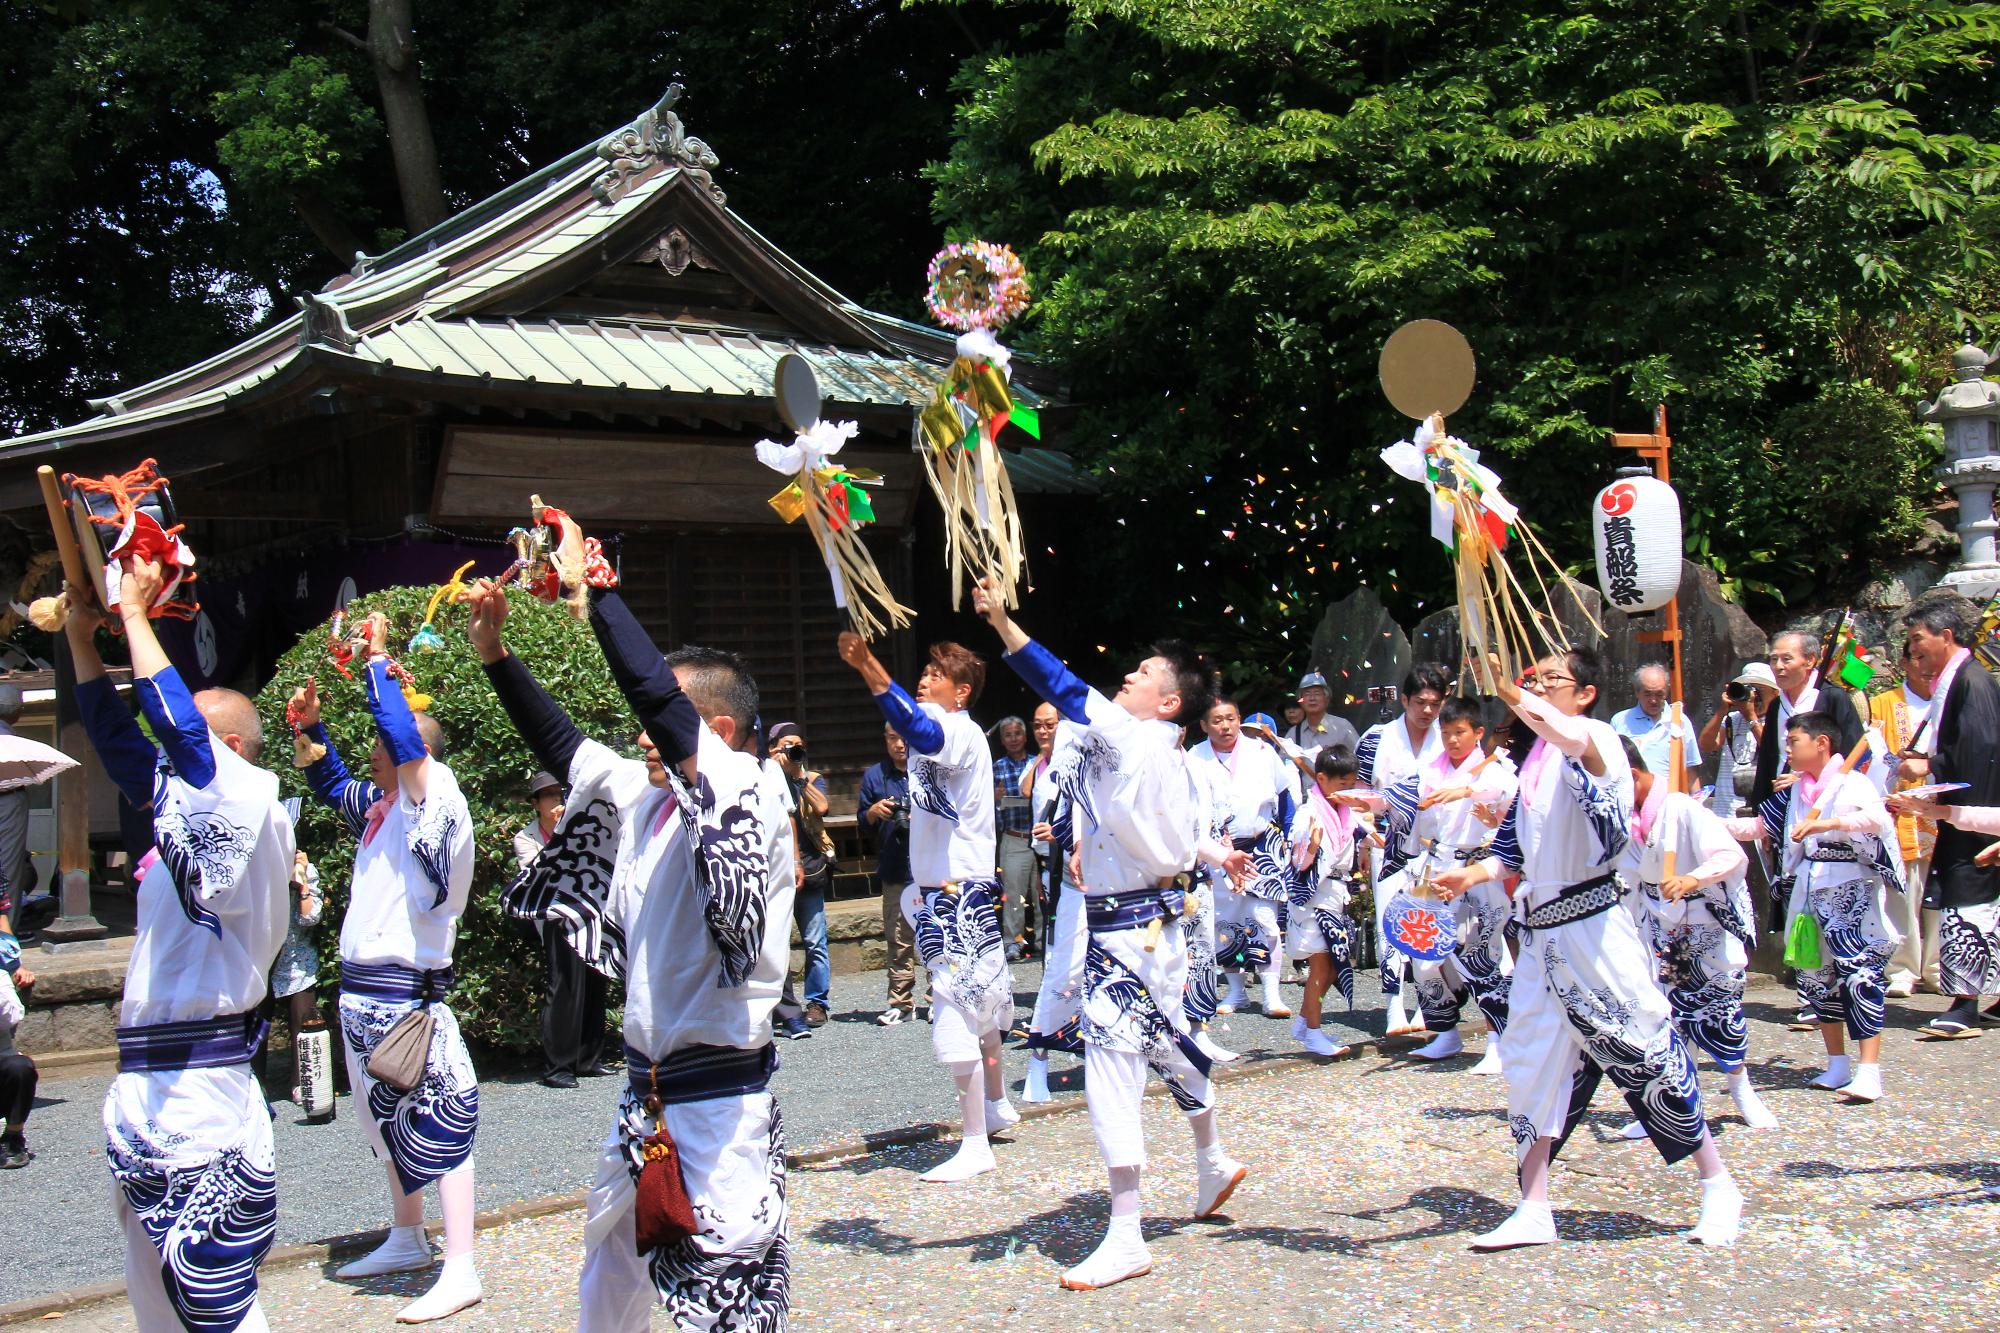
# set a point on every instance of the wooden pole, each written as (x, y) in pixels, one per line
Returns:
(1656, 448)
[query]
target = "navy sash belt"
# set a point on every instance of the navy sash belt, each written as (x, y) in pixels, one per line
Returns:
(701, 1073)
(1575, 903)
(392, 981)
(1122, 911)
(200, 1043)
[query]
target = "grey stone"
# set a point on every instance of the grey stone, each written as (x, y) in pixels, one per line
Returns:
(1356, 646)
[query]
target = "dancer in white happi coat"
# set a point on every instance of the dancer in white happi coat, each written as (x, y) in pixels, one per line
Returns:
(1584, 1002)
(1389, 752)
(1254, 793)
(1137, 829)
(188, 1133)
(1699, 922)
(1443, 815)
(952, 864)
(672, 874)
(1325, 848)
(1217, 867)
(412, 874)
(1835, 844)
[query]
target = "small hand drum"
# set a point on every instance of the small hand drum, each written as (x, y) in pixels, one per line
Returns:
(133, 516)
(1425, 929)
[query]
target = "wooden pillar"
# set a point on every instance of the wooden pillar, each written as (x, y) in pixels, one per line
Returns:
(76, 927)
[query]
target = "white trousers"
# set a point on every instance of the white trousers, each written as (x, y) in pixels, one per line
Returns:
(1133, 1021)
(1916, 958)
(1061, 997)
(735, 1273)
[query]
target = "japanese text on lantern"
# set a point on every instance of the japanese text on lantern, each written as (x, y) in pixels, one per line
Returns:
(1621, 561)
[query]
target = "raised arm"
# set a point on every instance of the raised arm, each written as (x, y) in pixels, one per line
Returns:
(647, 682)
(128, 757)
(919, 730)
(394, 722)
(327, 776)
(550, 734)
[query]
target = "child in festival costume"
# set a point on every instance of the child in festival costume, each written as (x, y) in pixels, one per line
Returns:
(1389, 752)
(1325, 848)
(412, 876)
(1831, 824)
(951, 861)
(1138, 829)
(673, 874)
(189, 1132)
(1700, 923)
(1434, 816)
(1253, 788)
(1584, 1002)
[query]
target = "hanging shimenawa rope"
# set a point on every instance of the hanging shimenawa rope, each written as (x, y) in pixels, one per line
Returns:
(975, 288)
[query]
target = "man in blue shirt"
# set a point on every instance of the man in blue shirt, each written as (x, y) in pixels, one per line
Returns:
(1647, 723)
(885, 811)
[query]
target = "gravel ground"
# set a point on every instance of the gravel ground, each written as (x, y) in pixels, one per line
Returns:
(1369, 1175)
(850, 1079)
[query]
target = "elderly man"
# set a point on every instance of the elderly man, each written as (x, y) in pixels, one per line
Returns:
(1318, 728)
(1645, 723)
(1014, 851)
(1961, 744)
(885, 809)
(1902, 714)
(1795, 664)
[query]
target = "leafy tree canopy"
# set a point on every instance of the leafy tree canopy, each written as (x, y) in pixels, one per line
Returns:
(1768, 215)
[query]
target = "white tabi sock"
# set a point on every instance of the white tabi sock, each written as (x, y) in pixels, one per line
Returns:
(1299, 1027)
(1721, 1213)
(1489, 1063)
(404, 1249)
(1217, 1176)
(1317, 1042)
(1635, 1131)
(456, 1288)
(1208, 1046)
(1442, 1047)
(1035, 1088)
(973, 1158)
(1837, 1073)
(1237, 996)
(1397, 1018)
(1866, 1085)
(1533, 1222)
(1274, 997)
(1000, 1114)
(1748, 1104)
(1121, 1254)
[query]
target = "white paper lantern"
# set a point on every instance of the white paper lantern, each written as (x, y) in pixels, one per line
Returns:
(1638, 524)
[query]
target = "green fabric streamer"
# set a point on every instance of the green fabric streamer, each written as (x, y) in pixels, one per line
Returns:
(1028, 419)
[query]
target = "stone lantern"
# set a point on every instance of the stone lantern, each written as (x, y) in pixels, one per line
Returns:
(1969, 412)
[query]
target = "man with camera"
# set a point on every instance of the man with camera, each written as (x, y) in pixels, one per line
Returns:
(885, 809)
(815, 871)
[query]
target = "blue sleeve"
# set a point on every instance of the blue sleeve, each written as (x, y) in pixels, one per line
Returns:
(1776, 807)
(1364, 756)
(1401, 815)
(394, 721)
(923, 732)
(329, 781)
(872, 783)
(1287, 806)
(123, 749)
(668, 716)
(1047, 676)
(178, 724)
(1506, 844)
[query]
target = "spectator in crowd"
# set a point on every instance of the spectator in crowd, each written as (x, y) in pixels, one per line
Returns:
(17, 873)
(808, 791)
(1014, 847)
(1316, 728)
(1050, 867)
(1294, 713)
(1645, 723)
(1902, 714)
(17, 1071)
(885, 812)
(774, 790)
(1795, 666)
(295, 974)
(574, 994)
(1732, 733)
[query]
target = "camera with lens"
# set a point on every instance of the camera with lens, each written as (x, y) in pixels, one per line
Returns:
(1383, 694)
(899, 811)
(1736, 691)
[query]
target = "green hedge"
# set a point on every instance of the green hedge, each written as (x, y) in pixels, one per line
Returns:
(498, 994)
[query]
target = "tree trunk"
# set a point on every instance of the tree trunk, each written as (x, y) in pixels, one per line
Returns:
(392, 47)
(327, 226)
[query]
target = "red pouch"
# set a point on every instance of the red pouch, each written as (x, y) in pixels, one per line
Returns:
(663, 1214)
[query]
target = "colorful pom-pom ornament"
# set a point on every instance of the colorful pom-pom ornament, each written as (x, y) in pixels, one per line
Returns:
(976, 285)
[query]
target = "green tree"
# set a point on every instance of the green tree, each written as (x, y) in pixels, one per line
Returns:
(498, 964)
(1740, 209)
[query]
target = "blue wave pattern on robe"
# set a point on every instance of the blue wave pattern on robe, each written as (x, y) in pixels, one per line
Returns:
(212, 1226)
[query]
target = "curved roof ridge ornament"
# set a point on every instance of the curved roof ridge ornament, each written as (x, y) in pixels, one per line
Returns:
(656, 136)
